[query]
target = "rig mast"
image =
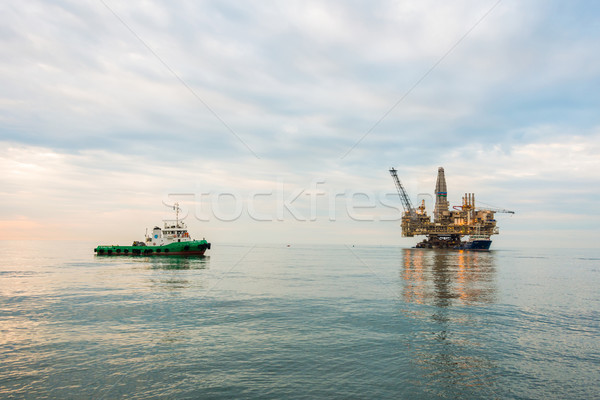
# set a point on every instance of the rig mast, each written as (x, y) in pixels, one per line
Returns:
(441, 196)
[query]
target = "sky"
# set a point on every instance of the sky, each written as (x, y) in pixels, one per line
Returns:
(277, 122)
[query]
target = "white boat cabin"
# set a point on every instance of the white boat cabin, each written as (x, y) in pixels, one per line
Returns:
(174, 231)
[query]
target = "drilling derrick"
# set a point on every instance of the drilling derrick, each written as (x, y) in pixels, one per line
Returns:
(448, 226)
(441, 196)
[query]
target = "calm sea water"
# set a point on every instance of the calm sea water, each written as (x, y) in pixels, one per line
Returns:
(272, 322)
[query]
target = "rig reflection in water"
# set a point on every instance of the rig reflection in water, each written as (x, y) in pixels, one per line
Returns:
(443, 278)
(449, 293)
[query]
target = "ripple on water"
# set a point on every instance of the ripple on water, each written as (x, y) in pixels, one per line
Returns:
(300, 322)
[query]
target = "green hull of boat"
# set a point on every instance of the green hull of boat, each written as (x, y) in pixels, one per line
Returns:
(194, 247)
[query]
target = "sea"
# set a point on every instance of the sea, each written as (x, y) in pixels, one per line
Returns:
(299, 322)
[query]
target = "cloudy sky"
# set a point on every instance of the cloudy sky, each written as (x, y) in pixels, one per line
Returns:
(277, 122)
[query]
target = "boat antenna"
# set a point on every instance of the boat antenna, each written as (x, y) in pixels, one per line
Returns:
(176, 208)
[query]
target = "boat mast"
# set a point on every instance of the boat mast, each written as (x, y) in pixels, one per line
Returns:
(176, 208)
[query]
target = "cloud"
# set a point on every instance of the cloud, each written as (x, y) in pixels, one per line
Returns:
(93, 114)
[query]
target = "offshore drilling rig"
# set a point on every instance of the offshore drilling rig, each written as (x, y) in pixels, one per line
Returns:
(448, 226)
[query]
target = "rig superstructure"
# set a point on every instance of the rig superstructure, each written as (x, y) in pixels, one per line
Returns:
(448, 226)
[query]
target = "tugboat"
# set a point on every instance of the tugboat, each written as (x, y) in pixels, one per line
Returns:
(172, 239)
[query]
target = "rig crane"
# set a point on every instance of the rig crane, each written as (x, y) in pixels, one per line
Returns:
(496, 210)
(403, 196)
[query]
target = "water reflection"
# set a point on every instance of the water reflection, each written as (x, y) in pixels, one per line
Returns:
(447, 349)
(443, 278)
(179, 262)
(174, 273)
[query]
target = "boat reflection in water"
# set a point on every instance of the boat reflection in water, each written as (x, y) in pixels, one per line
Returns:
(175, 273)
(448, 294)
(178, 262)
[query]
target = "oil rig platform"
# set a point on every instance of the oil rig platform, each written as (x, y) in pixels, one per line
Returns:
(448, 227)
